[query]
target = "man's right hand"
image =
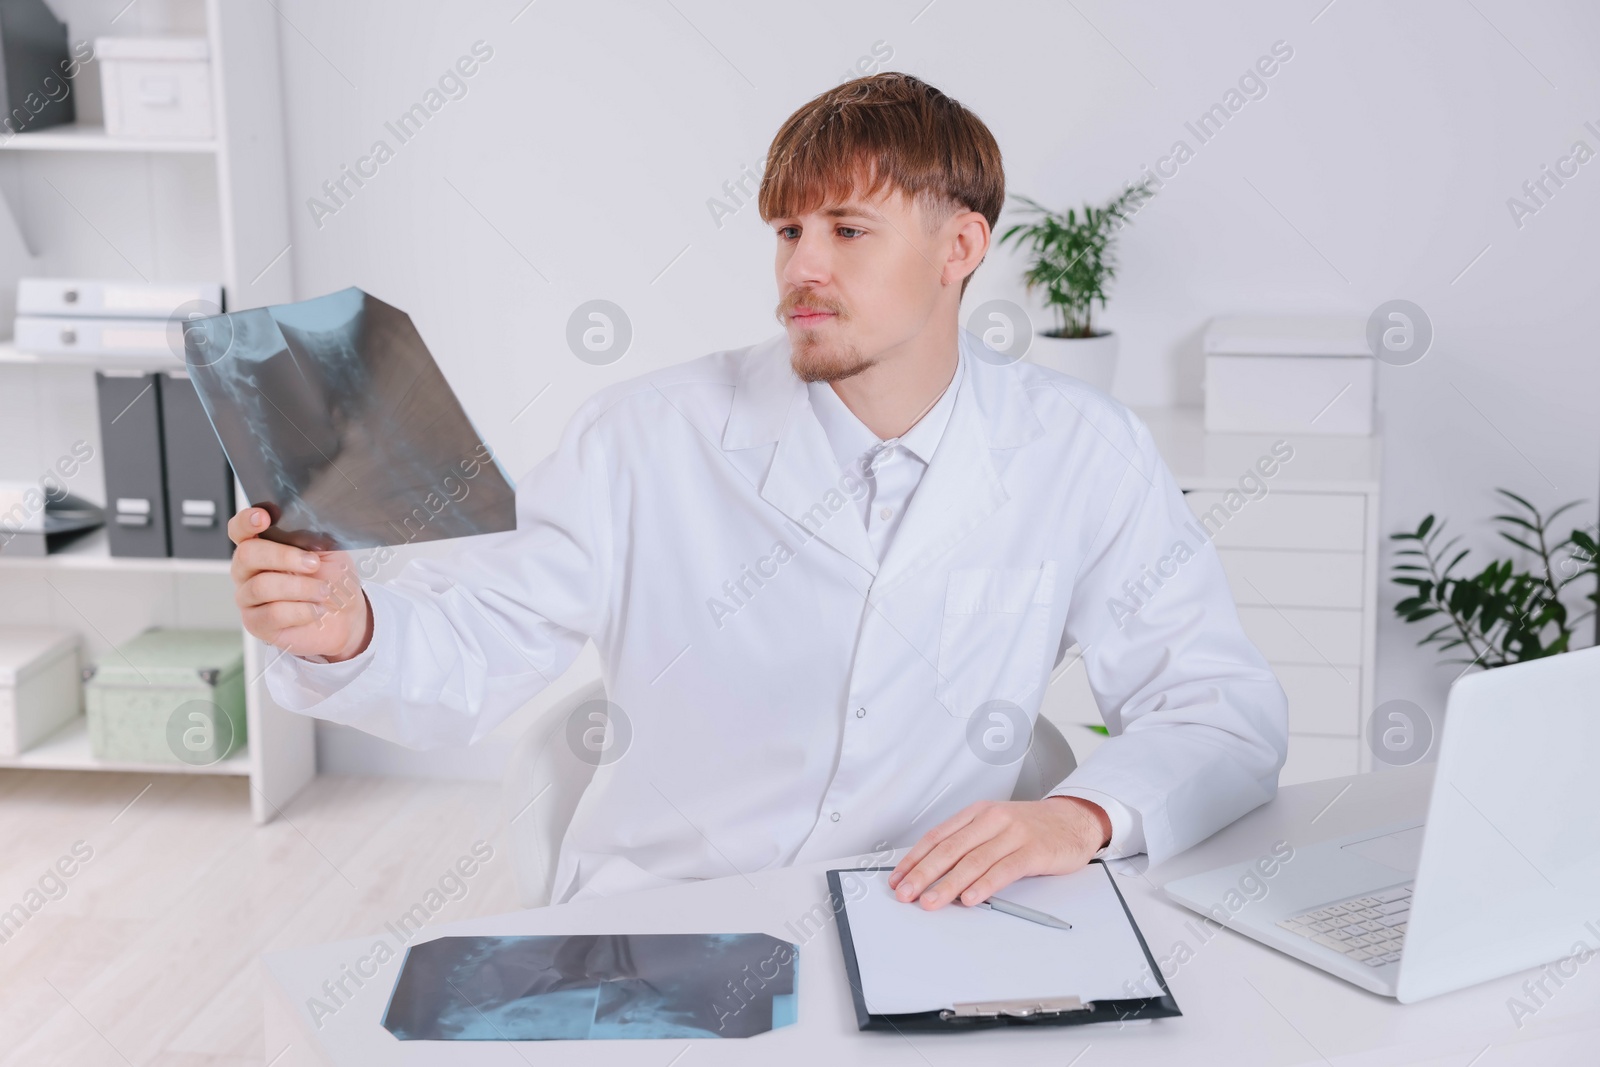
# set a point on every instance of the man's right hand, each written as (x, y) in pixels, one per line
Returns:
(307, 603)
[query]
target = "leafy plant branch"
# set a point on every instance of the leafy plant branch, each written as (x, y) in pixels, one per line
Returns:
(1501, 615)
(1073, 260)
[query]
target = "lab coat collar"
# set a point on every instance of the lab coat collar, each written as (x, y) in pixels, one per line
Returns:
(960, 488)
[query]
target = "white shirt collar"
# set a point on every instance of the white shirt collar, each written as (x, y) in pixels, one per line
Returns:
(853, 442)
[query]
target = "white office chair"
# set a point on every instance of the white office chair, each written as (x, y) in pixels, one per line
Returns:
(544, 779)
(1048, 761)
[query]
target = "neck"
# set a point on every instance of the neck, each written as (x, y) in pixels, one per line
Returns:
(894, 393)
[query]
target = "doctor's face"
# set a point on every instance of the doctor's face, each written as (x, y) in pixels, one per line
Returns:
(856, 281)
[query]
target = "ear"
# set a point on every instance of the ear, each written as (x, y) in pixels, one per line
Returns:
(968, 244)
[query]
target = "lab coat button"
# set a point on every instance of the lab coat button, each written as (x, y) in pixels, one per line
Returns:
(861, 713)
(834, 816)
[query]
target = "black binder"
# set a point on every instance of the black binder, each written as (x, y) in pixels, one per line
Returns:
(130, 441)
(1067, 1011)
(199, 480)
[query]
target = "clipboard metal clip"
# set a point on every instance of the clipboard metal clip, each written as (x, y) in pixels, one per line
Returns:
(1022, 1009)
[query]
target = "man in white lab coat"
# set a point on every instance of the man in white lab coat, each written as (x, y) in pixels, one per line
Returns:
(828, 574)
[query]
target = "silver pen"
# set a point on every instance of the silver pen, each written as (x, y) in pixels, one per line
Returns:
(1042, 918)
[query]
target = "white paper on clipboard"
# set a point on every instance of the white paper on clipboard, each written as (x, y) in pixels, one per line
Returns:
(912, 960)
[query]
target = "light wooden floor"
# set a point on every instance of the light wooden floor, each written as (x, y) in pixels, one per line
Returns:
(150, 955)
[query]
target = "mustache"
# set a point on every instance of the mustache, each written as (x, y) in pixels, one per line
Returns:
(796, 301)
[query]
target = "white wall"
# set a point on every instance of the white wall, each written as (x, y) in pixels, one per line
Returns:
(1378, 165)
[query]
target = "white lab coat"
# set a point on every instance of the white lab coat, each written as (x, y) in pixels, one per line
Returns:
(789, 698)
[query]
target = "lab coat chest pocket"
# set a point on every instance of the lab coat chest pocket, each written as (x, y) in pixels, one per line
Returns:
(994, 636)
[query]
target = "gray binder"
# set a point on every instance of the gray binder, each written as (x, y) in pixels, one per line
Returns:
(130, 441)
(199, 480)
(34, 64)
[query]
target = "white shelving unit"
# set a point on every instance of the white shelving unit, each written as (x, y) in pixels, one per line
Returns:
(92, 552)
(11, 355)
(85, 137)
(80, 203)
(68, 750)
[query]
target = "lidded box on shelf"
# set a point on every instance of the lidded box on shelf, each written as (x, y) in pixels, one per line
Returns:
(1290, 374)
(39, 687)
(168, 696)
(156, 87)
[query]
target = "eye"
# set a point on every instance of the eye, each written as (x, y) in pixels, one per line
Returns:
(850, 233)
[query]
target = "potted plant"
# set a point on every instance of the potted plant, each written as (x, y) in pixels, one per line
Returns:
(1501, 615)
(1073, 262)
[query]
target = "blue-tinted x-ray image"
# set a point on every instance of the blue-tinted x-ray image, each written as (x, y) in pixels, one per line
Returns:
(339, 423)
(589, 986)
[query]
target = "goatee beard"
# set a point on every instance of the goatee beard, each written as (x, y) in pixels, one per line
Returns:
(812, 367)
(810, 356)
(813, 362)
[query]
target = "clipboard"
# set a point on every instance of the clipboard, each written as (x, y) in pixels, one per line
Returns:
(1048, 1008)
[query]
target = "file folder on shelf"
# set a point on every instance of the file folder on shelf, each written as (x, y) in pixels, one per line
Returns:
(138, 339)
(199, 480)
(94, 298)
(130, 440)
(959, 967)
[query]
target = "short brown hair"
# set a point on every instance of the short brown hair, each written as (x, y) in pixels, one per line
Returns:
(886, 129)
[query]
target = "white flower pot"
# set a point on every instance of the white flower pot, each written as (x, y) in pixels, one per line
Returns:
(1091, 359)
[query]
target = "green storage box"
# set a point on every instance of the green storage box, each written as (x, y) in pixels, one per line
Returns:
(168, 696)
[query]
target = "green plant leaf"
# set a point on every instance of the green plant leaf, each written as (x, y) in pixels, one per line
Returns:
(1550, 518)
(1519, 543)
(1524, 523)
(1518, 499)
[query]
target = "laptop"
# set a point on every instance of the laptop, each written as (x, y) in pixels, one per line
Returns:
(1502, 875)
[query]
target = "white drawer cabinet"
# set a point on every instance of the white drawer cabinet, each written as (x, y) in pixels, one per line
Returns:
(1282, 519)
(1322, 700)
(1313, 758)
(1329, 636)
(1302, 562)
(1290, 579)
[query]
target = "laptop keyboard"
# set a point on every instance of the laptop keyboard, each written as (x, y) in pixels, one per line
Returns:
(1370, 929)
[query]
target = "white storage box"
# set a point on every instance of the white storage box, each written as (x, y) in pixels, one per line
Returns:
(156, 87)
(40, 687)
(1289, 375)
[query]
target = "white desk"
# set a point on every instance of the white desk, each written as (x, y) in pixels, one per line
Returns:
(1243, 1004)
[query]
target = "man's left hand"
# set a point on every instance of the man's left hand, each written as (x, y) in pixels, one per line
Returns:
(990, 844)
